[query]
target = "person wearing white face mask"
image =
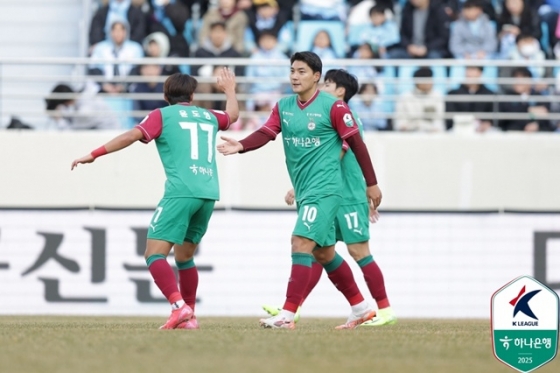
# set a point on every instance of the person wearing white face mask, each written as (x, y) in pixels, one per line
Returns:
(529, 49)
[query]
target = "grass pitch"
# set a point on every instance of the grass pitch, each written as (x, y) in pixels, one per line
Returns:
(88, 344)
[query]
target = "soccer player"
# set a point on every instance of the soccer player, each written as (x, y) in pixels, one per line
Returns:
(352, 220)
(313, 125)
(185, 138)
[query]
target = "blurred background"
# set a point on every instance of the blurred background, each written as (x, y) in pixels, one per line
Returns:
(459, 101)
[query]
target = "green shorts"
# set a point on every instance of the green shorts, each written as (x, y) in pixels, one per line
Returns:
(352, 223)
(178, 220)
(316, 220)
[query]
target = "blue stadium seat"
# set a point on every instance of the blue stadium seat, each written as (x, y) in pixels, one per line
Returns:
(355, 34)
(307, 30)
(406, 84)
(286, 37)
(389, 73)
(489, 77)
(121, 106)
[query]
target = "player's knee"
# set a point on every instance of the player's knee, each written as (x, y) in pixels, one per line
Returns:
(324, 255)
(359, 251)
(302, 245)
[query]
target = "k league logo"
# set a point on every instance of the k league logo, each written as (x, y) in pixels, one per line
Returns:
(524, 318)
(521, 304)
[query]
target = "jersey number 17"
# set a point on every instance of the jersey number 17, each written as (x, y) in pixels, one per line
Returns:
(194, 128)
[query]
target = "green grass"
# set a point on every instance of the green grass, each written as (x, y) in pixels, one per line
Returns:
(97, 344)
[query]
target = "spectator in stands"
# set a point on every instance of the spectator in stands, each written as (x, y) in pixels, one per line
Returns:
(382, 33)
(266, 15)
(151, 85)
(156, 45)
(424, 30)
(473, 36)
(323, 10)
(365, 72)
(536, 113)
(117, 48)
(170, 17)
(472, 86)
(529, 49)
(270, 87)
(369, 108)
(234, 19)
(453, 8)
(217, 45)
(117, 10)
(322, 46)
(423, 108)
(555, 105)
(516, 19)
(84, 112)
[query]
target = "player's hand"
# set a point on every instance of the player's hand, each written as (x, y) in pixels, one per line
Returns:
(230, 146)
(374, 196)
(373, 215)
(226, 80)
(85, 159)
(290, 197)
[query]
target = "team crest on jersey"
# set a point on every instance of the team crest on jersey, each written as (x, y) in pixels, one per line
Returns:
(311, 126)
(348, 120)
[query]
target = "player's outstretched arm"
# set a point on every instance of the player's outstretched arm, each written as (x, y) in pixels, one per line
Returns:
(120, 142)
(226, 83)
(230, 146)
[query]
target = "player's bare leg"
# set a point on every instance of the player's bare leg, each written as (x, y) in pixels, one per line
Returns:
(302, 258)
(374, 279)
(188, 279)
(341, 276)
(162, 273)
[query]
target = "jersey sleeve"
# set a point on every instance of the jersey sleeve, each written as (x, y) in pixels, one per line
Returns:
(223, 119)
(151, 126)
(342, 120)
(345, 145)
(273, 124)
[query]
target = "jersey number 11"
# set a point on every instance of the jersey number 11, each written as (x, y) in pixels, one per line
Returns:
(193, 128)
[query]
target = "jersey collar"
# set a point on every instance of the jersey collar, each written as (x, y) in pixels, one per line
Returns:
(308, 102)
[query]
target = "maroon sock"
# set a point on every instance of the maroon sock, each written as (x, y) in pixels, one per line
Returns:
(164, 277)
(341, 276)
(376, 284)
(299, 278)
(188, 283)
(316, 272)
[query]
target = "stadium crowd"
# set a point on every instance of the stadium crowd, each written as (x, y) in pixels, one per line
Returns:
(469, 30)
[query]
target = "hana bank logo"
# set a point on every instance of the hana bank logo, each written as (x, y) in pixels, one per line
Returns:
(521, 304)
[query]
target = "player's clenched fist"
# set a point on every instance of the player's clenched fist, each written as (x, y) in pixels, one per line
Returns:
(374, 196)
(290, 197)
(230, 146)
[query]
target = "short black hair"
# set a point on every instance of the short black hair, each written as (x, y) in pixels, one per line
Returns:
(423, 72)
(473, 4)
(478, 67)
(377, 8)
(342, 78)
(52, 103)
(523, 36)
(521, 72)
(179, 88)
(220, 24)
(311, 59)
(267, 32)
(365, 85)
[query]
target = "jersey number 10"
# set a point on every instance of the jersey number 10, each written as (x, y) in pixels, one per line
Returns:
(193, 128)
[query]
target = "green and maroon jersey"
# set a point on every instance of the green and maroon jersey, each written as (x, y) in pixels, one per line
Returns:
(185, 138)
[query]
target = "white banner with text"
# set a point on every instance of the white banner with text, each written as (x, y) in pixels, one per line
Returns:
(436, 265)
